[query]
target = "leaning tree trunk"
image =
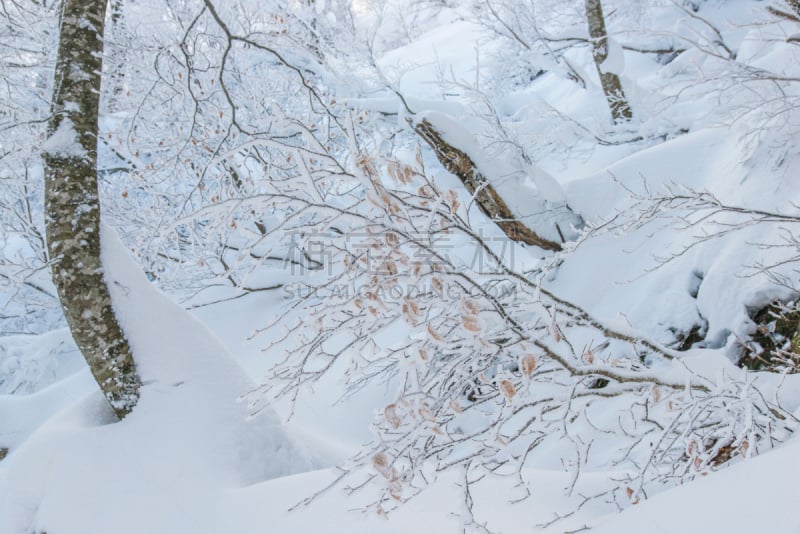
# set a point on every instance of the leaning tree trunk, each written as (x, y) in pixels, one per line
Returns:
(612, 87)
(72, 206)
(487, 198)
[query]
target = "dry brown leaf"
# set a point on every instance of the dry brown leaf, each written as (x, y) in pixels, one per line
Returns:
(470, 323)
(390, 412)
(434, 334)
(629, 491)
(437, 284)
(743, 447)
(507, 389)
(527, 364)
(470, 306)
(656, 394)
(391, 239)
(426, 413)
(423, 355)
(556, 333)
(391, 267)
(380, 462)
(452, 200)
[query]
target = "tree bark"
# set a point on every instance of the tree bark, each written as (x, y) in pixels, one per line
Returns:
(72, 206)
(488, 199)
(612, 87)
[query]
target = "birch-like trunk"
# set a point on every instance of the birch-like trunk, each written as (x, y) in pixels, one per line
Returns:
(612, 87)
(72, 206)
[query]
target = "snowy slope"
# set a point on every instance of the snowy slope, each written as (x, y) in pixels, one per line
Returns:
(755, 496)
(187, 440)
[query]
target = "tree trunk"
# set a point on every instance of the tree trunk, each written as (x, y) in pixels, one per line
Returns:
(620, 109)
(72, 206)
(488, 199)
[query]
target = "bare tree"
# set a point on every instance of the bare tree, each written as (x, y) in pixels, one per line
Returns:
(612, 87)
(73, 206)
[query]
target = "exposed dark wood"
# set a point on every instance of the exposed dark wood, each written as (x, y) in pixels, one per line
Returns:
(487, 198)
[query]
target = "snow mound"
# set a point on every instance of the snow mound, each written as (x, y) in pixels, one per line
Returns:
(187, 440)
(754, 496)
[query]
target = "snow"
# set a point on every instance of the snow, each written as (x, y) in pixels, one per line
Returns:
(449, 53)
(29, 363)
(757, 495)
(192, 457)
(21, 415)
(188, 436)
(187, 460)
(706, 161)
(615, 58)
(64, 141)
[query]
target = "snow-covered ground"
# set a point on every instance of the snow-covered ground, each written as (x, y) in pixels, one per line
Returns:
(192, 457)
(189, 460)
